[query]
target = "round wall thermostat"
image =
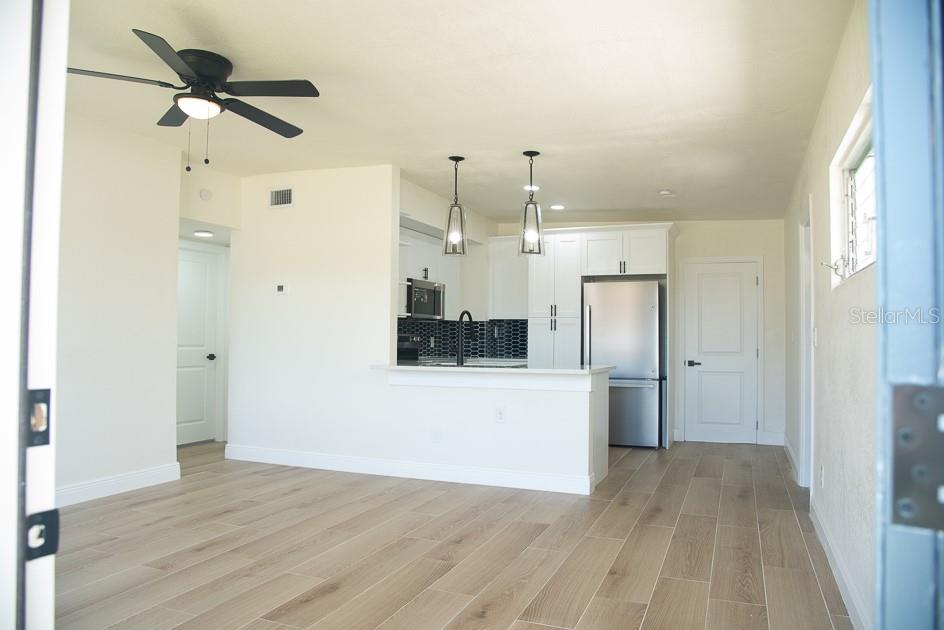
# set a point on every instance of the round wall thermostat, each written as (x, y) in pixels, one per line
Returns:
(205, 194)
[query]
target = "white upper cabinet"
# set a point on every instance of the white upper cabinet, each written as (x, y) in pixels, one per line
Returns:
(541, 282)
(421, 257)
(640, 250)
(554, 279)
(602, 253)
(508, 279)
(645, 251)
(567, 275)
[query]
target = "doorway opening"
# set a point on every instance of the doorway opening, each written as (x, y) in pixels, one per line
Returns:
(202, 270)
(803, 461)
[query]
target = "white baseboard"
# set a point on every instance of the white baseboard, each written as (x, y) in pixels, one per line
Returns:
(850, 596)
(572, 484)
(115, 484)
(791, 455)
(770, 439)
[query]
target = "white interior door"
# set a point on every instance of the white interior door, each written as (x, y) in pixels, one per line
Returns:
(199, 393)
(721, 351)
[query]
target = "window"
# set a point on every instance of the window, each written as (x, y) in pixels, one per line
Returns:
(860, 212)
(852, 197)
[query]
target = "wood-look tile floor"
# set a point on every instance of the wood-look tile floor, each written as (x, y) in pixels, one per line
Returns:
(706, 536)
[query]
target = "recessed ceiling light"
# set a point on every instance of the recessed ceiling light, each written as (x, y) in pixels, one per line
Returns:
(532, 187)
(203, 233)
(665, 192)
(557, 206)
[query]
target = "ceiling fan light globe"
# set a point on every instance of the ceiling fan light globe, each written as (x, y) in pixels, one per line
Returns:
(197, 107)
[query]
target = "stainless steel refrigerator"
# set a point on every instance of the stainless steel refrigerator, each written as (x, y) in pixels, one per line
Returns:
(623, 324)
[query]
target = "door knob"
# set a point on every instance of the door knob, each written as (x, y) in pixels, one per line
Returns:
(691, 363)
(211, 357)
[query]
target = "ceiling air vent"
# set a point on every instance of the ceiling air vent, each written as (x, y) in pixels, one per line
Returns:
(280, 197)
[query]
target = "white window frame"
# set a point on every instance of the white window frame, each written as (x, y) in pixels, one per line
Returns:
(854, 147)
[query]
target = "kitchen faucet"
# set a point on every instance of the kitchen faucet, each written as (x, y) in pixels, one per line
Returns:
(460, 351)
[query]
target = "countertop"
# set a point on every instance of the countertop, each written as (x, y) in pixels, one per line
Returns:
(474, 366)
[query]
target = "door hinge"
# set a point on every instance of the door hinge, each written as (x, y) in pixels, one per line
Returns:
(917, 466)
(757, 352)
(41, 534)
(757, 425)
(756, 281)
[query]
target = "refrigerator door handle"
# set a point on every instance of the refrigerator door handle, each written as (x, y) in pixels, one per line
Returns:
(634, 384)
(588, 335)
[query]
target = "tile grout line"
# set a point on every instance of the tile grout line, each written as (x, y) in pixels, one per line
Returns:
(628, 533)
(642, 623)
(760, 543)
(714, 553)
(809, 555)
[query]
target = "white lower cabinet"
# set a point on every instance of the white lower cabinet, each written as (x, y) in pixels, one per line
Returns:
(540, 343)
(566, 342)
(554, 342)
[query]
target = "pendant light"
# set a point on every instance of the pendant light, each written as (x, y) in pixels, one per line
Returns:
(531, 240)
(454, 236)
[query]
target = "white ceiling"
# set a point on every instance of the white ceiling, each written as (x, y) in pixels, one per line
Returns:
(714, 100)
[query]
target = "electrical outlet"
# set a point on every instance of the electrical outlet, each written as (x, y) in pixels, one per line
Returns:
(500, 415)
(822, 476)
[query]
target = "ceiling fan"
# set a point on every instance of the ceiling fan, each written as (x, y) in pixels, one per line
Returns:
(205, 73)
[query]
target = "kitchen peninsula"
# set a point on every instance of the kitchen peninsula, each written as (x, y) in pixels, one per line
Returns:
(533, 428)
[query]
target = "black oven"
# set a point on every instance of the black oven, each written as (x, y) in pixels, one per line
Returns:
(425, 299)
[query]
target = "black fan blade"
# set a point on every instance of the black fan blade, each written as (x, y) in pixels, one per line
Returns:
(271, 88)
(120, 77)
(260, 117)
(173, 117)
(160, 46)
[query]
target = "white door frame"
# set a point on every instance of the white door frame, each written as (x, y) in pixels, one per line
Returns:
(222, 338)
(804, 459)
(683, 263)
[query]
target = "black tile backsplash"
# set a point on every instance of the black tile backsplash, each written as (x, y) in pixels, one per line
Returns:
(495, 338)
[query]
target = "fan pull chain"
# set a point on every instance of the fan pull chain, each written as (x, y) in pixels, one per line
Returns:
(188, 146)
(206, 154)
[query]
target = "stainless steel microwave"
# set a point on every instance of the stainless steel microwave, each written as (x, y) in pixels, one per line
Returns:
(425, 299)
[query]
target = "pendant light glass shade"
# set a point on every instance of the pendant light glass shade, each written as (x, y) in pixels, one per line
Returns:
(531, 240)
(454, 236)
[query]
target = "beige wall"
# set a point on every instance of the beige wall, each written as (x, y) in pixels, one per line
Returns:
(844, 359)
(117, 309)
(763, 239)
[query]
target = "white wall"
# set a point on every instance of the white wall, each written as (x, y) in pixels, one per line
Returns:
(115, 413)
(302, 386)
(222, 208)
(844, 360)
